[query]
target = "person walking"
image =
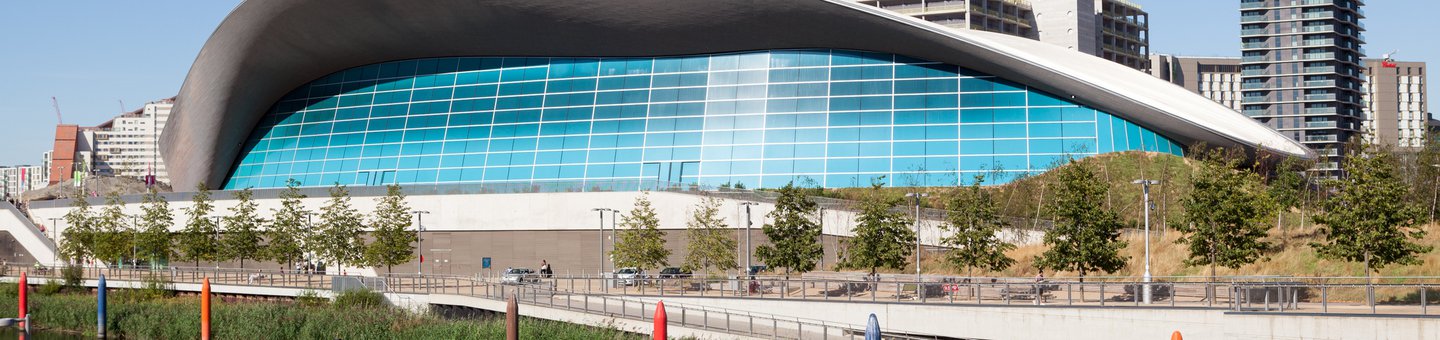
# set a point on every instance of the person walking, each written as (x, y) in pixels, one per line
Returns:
(545, 269)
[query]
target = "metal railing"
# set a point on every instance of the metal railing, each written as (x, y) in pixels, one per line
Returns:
(1392, 296)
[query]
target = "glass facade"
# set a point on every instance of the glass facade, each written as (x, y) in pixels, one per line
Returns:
(835, 118)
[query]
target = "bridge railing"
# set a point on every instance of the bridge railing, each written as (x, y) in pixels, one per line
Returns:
(1268, 294)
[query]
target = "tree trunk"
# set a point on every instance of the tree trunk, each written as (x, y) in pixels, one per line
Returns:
(1369, 288)
(1284, 234)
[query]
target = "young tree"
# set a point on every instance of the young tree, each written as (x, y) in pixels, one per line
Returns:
(79, 232)
(712, 244)
(1086, 236)
(975, 225)
(1225, 218)
(287, 230)
(198, 242)
(337, 238)
(112, 241)
(394, 241)
(883, 237)
(155, 221)
(241, 240)
(642, 243)
(1286, 191)
(1368, 219)
(793, 232)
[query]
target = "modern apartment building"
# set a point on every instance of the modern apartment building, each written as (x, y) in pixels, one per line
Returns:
(1117, 30)
(125, 146)
(1217, 78)
(15, 180)
(1301, 70)
(1396, 113)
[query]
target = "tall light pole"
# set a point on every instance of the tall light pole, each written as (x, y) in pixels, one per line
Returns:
(420, 239)
(1434, 194)
(748, 265)
(917, 196)
(55, 228)
(822, 238)
(602, 237)
(217, 241)
(1145, 186)
(134, 256)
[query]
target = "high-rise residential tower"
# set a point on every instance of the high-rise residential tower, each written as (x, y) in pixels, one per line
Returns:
(1117, 30)
(1301, 70)
(1396, 113)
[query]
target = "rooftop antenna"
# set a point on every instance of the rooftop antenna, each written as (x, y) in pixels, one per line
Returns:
(122, 105)
(56, 103)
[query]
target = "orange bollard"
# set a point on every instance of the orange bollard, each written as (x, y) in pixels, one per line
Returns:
(24, 286)
(1176, 336)
(205, 309)
(661, 327)
(512, 318)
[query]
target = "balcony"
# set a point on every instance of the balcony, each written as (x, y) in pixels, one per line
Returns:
(1254, 59)
(1314, 29)
(1323, 124)
(1330, 96)
(1254, 72)
(1318, 42)
(1253, 113)
(1255, 31)
(1253, 4)
(1324, 55)
(1322, 138)
(1252, 86)
(1317, 15)
(1319, 83)
(1254, 18)
(1255, 45)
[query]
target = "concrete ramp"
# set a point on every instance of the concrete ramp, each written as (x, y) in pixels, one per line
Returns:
(26, 234)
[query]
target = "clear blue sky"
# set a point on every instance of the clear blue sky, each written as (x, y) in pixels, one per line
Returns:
(92, 54)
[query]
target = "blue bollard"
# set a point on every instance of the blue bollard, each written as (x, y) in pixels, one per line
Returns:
(100, 307)
(872, 328)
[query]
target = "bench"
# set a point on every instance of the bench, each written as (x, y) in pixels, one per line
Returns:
(1028, 291)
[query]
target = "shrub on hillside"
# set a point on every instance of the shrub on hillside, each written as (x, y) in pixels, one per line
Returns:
(359, 298)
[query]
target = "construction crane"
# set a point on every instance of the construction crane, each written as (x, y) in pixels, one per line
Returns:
(56, 103)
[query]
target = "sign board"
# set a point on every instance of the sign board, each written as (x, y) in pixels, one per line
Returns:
(485, 263)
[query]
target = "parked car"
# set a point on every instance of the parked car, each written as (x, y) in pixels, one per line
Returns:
(518, 276)
(629, 276)
(674, 273)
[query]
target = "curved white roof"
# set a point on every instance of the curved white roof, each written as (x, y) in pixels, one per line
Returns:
(264, 49)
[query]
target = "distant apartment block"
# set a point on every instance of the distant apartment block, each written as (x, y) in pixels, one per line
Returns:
(1396, 113)
(1117, 30)
(1301, 70)
(15, 180)
(1217, 78)
(125, 146)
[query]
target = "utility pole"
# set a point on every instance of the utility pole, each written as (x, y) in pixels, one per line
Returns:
(420, 239)
(748, 266)
(1145, 186)
(917, 196)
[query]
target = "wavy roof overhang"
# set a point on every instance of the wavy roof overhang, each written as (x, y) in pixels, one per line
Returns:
(264, 49)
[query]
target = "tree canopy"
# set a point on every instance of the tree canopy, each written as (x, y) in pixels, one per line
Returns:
(1368, 218)
(883, 238)
(1226, 215)
(1086, 235)
(711, 242)
(394, 242)
(642, 243)
(974, 224)
(793, 232)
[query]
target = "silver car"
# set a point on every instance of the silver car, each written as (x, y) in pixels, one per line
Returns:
(518, 276)
(629, 276)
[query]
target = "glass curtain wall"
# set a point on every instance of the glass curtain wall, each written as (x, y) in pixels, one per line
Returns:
(832, 118)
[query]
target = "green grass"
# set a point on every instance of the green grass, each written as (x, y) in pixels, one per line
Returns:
(178, 318)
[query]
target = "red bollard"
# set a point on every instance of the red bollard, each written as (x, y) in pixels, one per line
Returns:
(661, 327)
(205, 309)
(1176, 336)
(24, 286)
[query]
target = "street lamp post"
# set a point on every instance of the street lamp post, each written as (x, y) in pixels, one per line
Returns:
(917, 196)
(822, 237)
(602, 237)
(217, 241)
(134, 255)
(420, 239)
(748, 265)
(1434, 194)
(1145, 187)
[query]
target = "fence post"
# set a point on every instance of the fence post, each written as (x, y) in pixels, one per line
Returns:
(1424, 300)
(1102, 293)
